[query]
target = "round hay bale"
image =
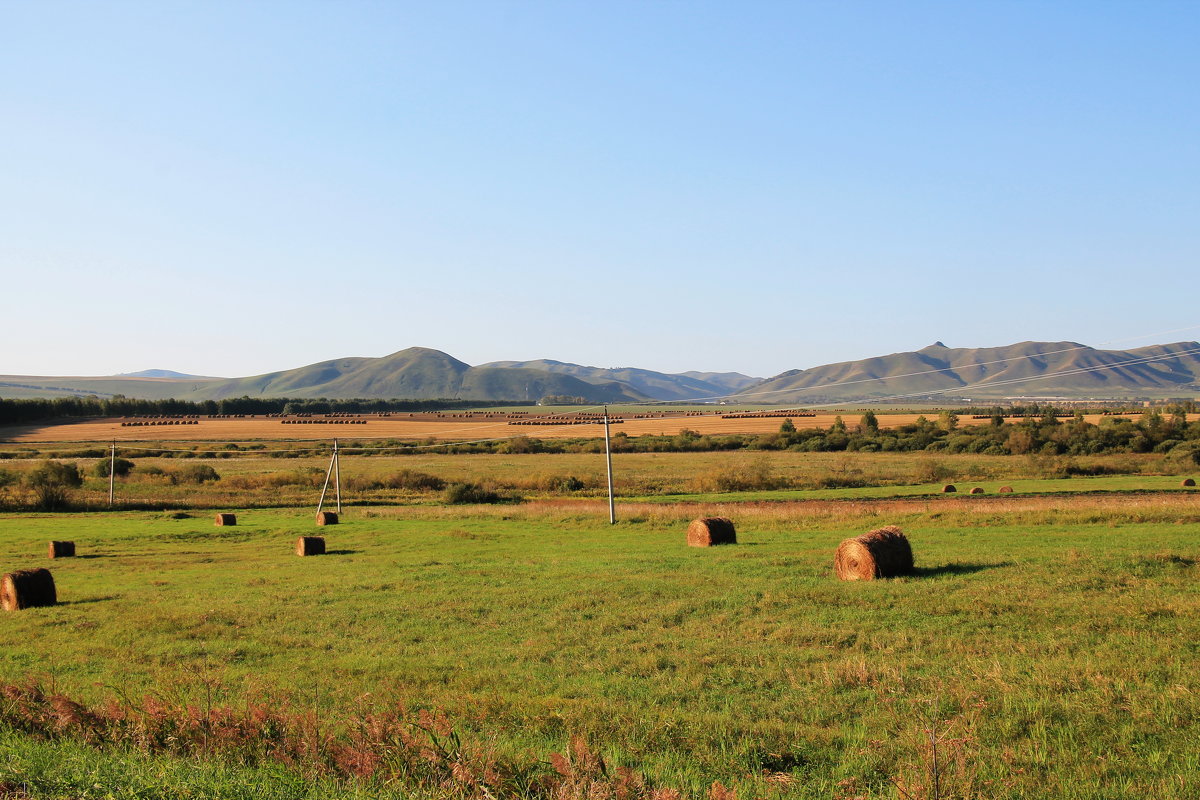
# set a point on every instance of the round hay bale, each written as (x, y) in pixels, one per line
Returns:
(226, 519)
(977, 490)
(1005, 490)
(1188, 482)
(27, 588)
(327, 518)
(949, 487)
(709, 531)
(61, 550)
(310, 546)
(882, 553)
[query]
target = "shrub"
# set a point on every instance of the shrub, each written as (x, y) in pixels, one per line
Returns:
(52, 483)
(196, 473)
(464, 493)
(8, 478)
(121, 466)
(755, 475)
(414, 481)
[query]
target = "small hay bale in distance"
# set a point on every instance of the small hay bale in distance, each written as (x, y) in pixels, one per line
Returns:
(27, 588)
(881, 553)
(226, 519)
(977, 490)
(709, 531)
(310, 546)
(61, 550)
(949, 487)
(327, 518)
(1005, 490)
(1188, 482)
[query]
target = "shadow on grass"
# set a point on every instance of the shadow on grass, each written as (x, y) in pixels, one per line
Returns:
(956, 569)
(92, 555)
(87, 600)
(341, 552)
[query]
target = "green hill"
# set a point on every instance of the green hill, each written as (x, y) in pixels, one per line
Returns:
(658, 385)
(418, 373)
(1066, 369)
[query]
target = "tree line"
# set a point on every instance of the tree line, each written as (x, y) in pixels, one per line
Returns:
(22, 411)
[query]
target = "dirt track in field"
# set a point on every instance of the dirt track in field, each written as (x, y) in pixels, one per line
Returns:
(444, 427)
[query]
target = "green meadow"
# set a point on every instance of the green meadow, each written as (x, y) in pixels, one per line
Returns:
(1046, 647)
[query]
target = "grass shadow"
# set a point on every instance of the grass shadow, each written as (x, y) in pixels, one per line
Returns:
(87, 600)
(956, 569)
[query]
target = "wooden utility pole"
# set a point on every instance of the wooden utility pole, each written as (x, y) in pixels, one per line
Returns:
(612, 508)
(337, 475)
(328, 473)
(112, 473)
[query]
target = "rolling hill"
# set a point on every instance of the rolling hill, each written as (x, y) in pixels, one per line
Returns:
(420, 373)
(657, 385)
(1066, 369)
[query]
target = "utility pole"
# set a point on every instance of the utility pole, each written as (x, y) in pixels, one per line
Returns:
(328, 473)
(337, 474)
(612, 508)
(112, 473)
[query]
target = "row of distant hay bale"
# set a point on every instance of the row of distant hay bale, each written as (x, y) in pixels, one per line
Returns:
(1057, 414)
(160, 422)
(950, 488)
(765, 414)
(323, 421)
(226, 519)
(556, 421)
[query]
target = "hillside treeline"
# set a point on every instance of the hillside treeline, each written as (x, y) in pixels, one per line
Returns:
(15, 412)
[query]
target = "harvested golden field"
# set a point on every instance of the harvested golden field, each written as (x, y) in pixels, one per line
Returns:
(441, 427)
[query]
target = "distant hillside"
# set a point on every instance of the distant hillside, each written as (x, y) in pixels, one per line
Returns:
(158, 373)
(656, 385)
(1065, 369)
(729, 381)
(419, 373)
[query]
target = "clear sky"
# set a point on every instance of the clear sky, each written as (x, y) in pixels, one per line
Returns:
(230, 188)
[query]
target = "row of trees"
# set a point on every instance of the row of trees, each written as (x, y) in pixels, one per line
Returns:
(16, 412)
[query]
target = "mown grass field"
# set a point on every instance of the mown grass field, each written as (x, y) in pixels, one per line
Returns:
(1050, 642)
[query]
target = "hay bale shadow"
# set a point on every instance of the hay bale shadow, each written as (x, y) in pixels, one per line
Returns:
(94, 555)
(342, 552)
(87, 600)
(956, 569)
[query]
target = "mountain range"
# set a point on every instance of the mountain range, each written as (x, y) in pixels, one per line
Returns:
(1065, 369)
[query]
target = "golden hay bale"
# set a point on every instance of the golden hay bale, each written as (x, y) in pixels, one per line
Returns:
(977, 490)
(882, 553)
(310, 546)
(949, 487)
(27, 588)
(1188, 482)
(327, 518)
(61, 549)
(1005, 490)
(226, 519)
(708, 531)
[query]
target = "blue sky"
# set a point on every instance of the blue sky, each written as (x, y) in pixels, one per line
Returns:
(234, 188)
